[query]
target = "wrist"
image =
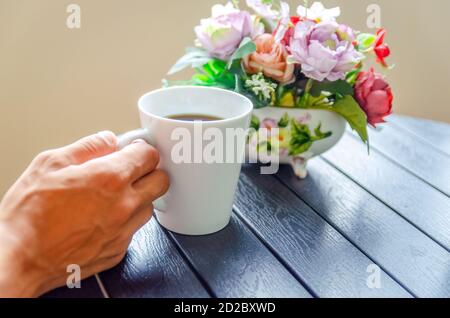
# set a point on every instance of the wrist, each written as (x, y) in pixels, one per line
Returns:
(18, 277)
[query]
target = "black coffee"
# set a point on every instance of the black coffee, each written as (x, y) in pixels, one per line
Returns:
(194, 117)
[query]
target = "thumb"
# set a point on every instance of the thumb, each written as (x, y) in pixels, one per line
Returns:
(91, 147)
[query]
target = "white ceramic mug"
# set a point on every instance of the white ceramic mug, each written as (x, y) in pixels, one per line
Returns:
(201, 195)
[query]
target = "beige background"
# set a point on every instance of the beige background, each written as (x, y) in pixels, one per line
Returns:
(58, 84)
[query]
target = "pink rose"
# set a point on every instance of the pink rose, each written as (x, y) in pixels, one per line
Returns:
(270, 58)
(374, 95)
(222, 34)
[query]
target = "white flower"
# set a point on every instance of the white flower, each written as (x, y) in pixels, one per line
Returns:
(261, 87)
(220, 10)
(319, 12)
(285, 10)
(284, 22)
(258, 27)
(264, 8)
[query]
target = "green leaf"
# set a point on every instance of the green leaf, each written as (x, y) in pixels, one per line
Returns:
(216, 67)
(202, 79)
(365, 41)
(321, 135)
(284, 121)
(280, 92)
(302, 139)
(214, 73)
(255, 123)
(246, 47)
(353, 75)
(194, 57)
(340, 87)
(348, 108)
(299, 148)
(239, 88)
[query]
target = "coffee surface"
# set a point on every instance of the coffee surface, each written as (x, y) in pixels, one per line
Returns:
(194, 117)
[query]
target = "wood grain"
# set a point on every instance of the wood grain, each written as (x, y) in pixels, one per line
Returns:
(408, 255)
(235, 264)
(437, 134)
(420, 158)
(315, 252)
(153, 268)
(425, 207)
(89, 289)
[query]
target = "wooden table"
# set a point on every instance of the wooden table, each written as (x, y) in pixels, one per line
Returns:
(325, 236)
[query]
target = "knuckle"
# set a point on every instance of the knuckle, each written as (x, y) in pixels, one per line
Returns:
(109, 177)
(43, 157)
(150, 153)
(129, 205)
(50, 159)
(117, 180)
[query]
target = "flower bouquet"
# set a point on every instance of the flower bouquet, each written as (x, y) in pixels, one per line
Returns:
(305, 74)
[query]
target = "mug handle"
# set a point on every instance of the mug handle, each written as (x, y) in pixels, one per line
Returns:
(126, 139)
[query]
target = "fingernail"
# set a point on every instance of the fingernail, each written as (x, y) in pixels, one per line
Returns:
(139, 141)
(106, 134)
(109, 137)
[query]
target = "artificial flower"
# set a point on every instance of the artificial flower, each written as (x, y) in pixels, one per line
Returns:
(325, 50)
(304, 119)
(284, 138)
(346, 33)
(284, 24)
(258, 27)
(289, 56)
(269, 124)
(222, 34)
(374, 95)
(270, 58)
(381, 49)
(285, 32)
(280, 139)
(261, 87)
(263, 8)
(319, 13)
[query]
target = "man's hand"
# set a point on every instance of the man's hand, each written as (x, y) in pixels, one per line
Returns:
(80, 204)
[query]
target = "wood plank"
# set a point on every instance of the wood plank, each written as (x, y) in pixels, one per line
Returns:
(408, 255)
(425, 207)
(436, 133)
(321, 257)
(420, 158)
(89, 289)
(153, 268)
(234, 263)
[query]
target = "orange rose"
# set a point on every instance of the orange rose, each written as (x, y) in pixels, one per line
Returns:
(270, 59)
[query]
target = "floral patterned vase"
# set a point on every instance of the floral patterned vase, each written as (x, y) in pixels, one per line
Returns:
(302, 134)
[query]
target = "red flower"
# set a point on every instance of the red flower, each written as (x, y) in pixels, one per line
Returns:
(381, 49)
(290, 31)
(374, 95)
